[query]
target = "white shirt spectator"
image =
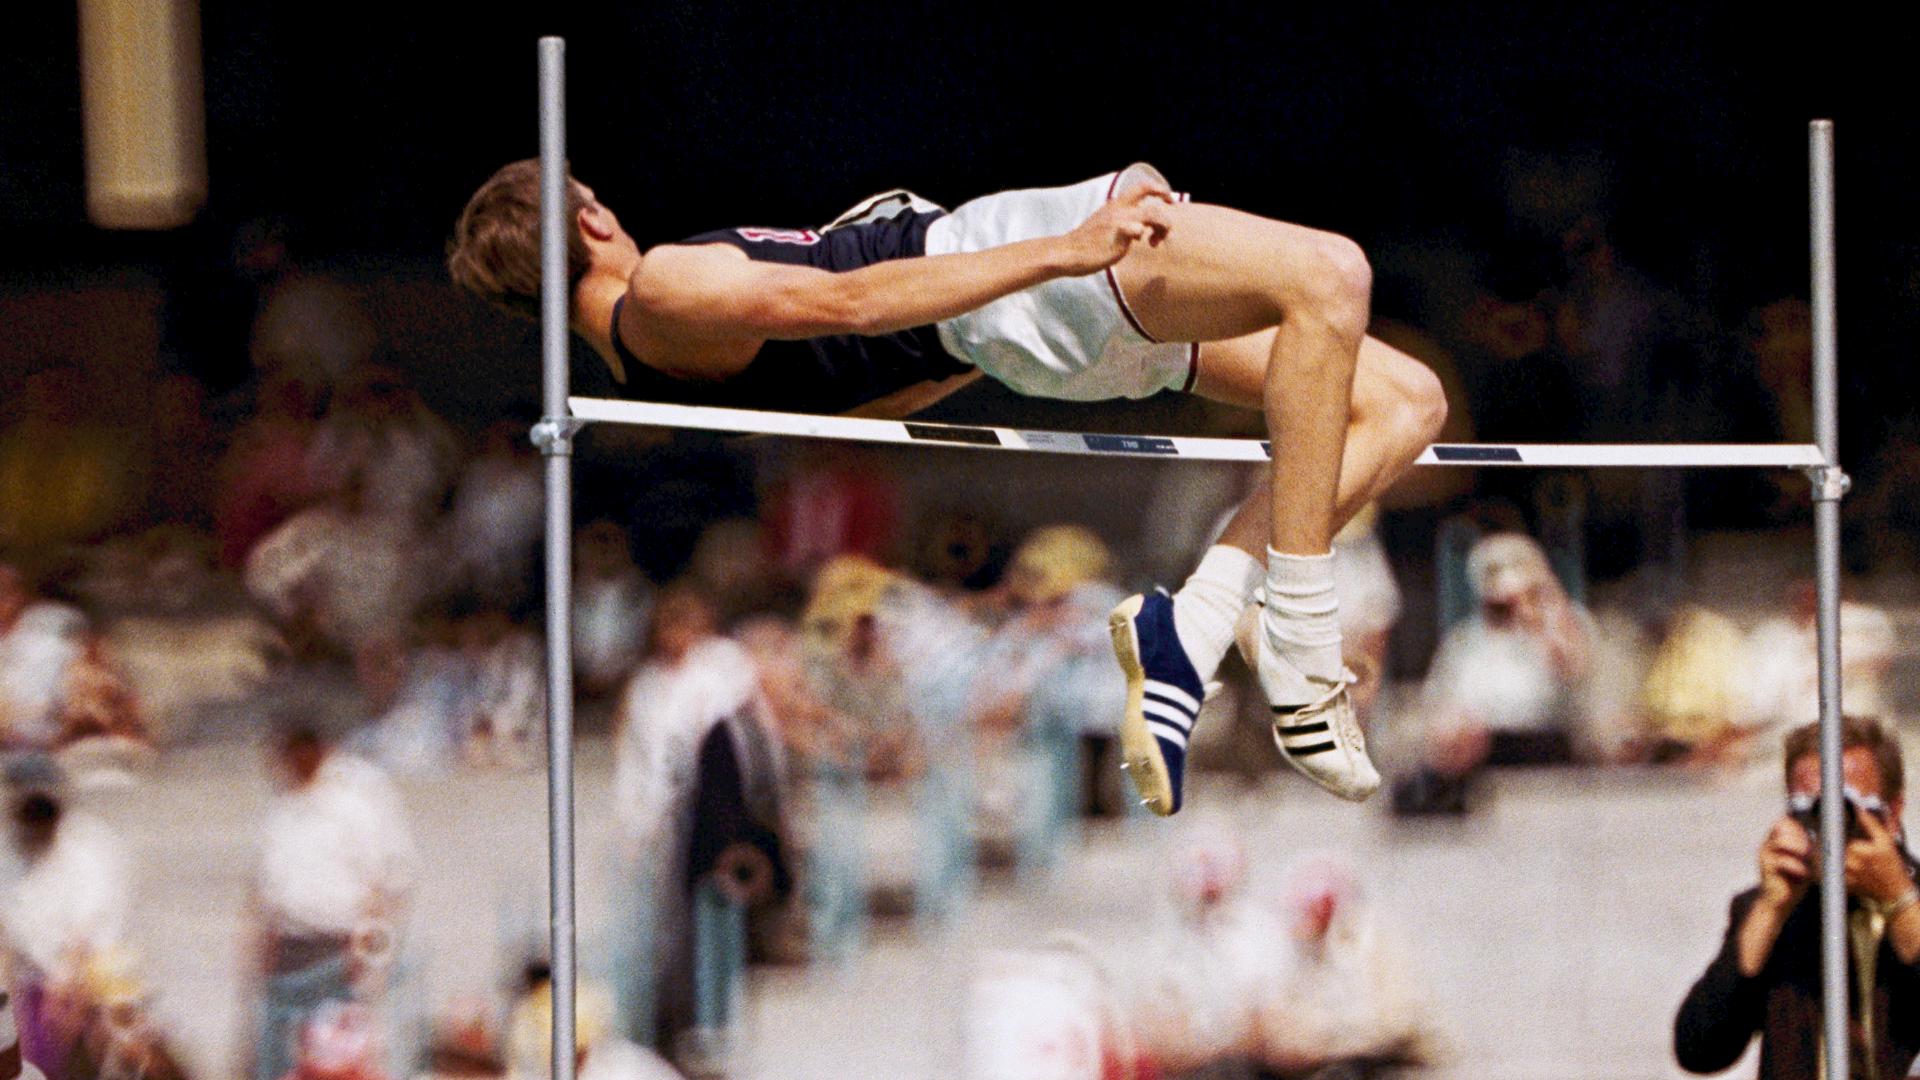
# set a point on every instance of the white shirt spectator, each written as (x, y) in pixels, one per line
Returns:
(1782, 670)
(71, 902)
(35, 655)
(338, 852)
(1495, 678)
(667, 710)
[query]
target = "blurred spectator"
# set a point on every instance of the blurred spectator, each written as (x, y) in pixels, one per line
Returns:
(1342, 987)
(336, 871)
(268, 472)
(67, 902)
(465, 1043)
(904, 661)
(98, 708)
(1691, 703)
(59, 685)
(309, 327)
(599, 1052)
(39, 643)
(1293, 978)
(493, 530)
(1190, 992)
(1049, 687)
(1766, 979)
(612, 601)
(1505, 683)
(1046, 1013)
(696, 788)
(65, 475)
(381, 435)
(340, 575)
(1780, 671)
(120, 1038)
(505, 719)
(1512, 683)
(530, 1022)
(340, 1041)
(420, 694)
(809, 731)
(471, 692)
(837, 500)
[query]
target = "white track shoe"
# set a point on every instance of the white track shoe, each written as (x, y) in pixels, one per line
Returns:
(1322, 738)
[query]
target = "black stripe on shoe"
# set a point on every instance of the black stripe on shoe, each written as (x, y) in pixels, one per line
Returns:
(1314, 728)
(1308, 751)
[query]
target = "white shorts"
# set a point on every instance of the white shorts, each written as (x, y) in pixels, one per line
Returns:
(1070, 338)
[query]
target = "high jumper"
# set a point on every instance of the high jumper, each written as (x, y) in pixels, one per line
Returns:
(1113, 287)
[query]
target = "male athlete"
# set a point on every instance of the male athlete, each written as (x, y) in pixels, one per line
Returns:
(1115, 287)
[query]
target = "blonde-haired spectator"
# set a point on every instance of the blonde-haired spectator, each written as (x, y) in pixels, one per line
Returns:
(1692, 703)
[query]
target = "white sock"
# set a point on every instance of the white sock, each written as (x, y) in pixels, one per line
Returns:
(1302, 620)
(1208, 606)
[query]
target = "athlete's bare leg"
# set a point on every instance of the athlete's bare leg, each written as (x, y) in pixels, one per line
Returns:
(1397, 409)
(1286, 309)
(1283, 310)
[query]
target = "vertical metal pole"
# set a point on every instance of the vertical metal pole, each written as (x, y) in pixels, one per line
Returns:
(1829, 485)
(553, 435)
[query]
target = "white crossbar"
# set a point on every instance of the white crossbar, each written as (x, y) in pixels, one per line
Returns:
(971, 436)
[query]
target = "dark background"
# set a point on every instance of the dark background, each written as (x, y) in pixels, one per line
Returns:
(364, 126)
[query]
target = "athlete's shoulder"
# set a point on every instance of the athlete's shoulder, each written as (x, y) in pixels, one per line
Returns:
(669, 268)
(694, 252)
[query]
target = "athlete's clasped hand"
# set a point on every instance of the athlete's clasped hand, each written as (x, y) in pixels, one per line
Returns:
(1105, 237)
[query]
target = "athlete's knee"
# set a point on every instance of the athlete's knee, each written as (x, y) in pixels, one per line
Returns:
(1335, 285)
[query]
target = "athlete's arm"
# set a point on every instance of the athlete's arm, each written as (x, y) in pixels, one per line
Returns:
(715, 291)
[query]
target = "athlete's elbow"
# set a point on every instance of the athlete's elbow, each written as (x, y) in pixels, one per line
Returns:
(855, 307)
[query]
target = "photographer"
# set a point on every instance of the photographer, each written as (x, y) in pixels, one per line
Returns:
(1766, 978)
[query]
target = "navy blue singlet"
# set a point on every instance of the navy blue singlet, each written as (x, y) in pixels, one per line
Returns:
(823, 374)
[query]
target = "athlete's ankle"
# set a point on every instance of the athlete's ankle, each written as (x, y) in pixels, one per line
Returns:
(1208, 607)
(1302, 617)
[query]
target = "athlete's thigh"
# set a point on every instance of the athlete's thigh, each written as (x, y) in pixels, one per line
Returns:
(1220, 273)
(1235, 372)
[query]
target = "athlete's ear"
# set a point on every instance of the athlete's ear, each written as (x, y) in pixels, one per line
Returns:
(597, 222)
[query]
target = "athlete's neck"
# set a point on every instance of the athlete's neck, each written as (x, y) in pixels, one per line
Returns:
(593, 302)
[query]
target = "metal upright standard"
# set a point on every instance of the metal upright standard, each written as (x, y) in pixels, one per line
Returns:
(554, 436)
(1829, 487)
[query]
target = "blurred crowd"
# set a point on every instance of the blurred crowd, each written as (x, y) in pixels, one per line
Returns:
(837, 693)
